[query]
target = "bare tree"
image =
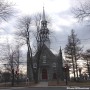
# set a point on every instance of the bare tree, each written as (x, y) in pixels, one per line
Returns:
(8, 59)
(82, 10)
(6, 9)
(24, 32)
(17, 57)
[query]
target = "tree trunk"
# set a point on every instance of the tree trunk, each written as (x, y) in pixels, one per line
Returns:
(29, 57)
(88, 68)
(73, 67)
(12, 77)
(75, 61)
(28, 66)
(76, 68)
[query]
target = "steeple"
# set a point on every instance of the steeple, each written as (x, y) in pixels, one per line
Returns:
(60, 73)
(43, 16)
(44, 32)
(60, 51)
(60, 55)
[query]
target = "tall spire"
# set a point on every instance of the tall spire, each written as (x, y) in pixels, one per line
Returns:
(60, 52)
(43, 17)
(44, 32)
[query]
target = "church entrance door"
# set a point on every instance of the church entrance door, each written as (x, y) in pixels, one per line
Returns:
(44, 74)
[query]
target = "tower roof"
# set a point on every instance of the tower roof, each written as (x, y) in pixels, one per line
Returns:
(43, 17)
(60, 51)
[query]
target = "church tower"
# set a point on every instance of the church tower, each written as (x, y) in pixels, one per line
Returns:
(44, 32)
(50, 65)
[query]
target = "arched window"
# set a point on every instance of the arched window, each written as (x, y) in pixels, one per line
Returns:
(44, 59)
(34, 65)
(54, 65)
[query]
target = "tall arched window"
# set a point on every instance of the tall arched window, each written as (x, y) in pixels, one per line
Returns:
(34, 65)
(54, 65)
(44, 59)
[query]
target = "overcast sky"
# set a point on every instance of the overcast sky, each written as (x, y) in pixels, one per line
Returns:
(61, 17)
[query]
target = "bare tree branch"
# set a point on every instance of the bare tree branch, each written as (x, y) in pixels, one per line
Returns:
(6, 10)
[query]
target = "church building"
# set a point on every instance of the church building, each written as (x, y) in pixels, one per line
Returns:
(51, 66)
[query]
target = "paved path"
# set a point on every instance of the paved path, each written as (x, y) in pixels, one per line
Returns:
(48, 88)
(38, 88)
(42, 84)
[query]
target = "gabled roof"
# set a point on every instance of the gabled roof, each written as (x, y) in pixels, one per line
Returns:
(47, 51)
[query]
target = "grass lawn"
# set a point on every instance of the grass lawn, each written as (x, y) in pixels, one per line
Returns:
(54, 83)
(21, 84)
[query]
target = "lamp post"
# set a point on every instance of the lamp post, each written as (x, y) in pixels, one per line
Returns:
(66, 73)
(87, 57)
(17, 75)
(12, 76)
(80, 69)
(35, 72)
(5, 74)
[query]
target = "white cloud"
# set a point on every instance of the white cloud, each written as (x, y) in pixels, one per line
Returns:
(6, 38)
(32, 6)
(52, 8)
(58, 10)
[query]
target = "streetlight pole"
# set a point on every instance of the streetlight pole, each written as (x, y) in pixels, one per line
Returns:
(12, 76)
(66, 68)
(80, 72)
(5, 75)
(66, 74)
(35, 71)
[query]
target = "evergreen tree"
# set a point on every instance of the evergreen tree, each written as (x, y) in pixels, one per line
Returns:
(86, 57)
(73, 51)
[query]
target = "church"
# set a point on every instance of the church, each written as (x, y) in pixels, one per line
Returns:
(50, 65)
